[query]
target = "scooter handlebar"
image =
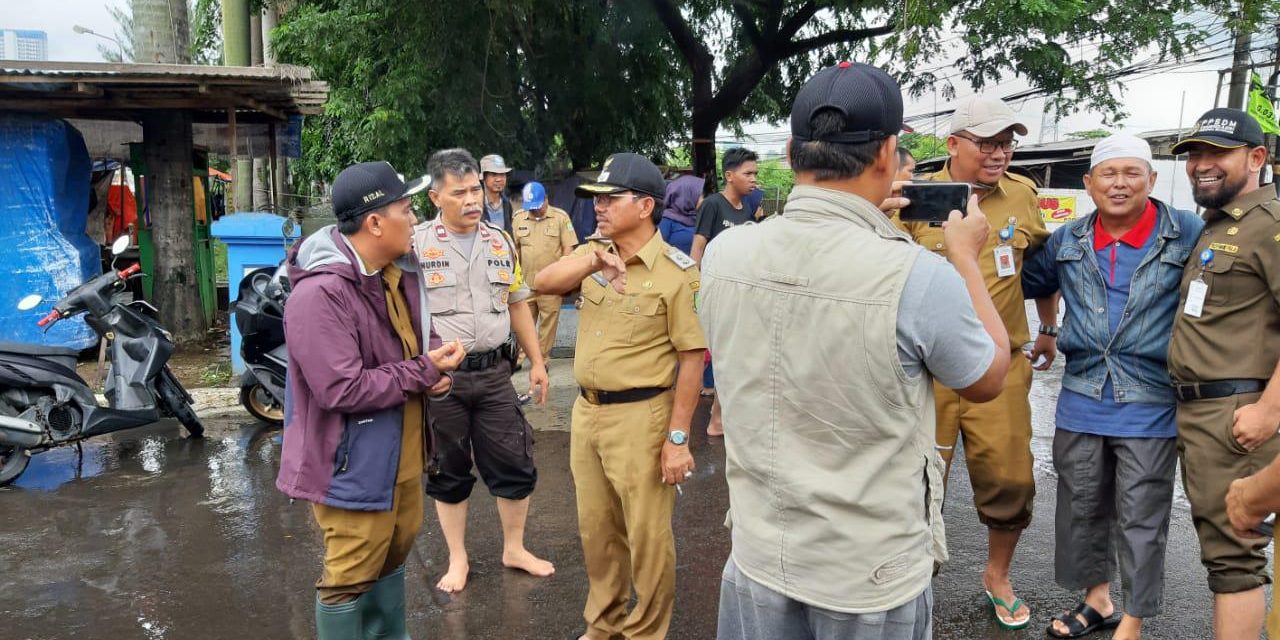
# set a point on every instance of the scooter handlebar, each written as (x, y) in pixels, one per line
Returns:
(130, 270)
(49, 319)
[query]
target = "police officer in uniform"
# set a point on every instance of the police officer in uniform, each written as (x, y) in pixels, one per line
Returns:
(629, 440)
(543, 234)
(997, 434)
(1224, 352)
(477, 296)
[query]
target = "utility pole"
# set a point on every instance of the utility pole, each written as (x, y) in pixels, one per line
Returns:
(237, 52)
(1240, 62)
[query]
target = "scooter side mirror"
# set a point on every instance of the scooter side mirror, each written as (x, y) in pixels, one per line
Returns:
(120, 245)
(28, 303)
(287, 228)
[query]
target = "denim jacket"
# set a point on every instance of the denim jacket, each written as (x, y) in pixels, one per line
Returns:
(1136, 356)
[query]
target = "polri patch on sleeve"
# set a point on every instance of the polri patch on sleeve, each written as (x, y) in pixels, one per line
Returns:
(677, 256)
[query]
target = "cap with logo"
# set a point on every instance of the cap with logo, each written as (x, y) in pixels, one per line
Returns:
(869, 98)
(368, 185)
(1120, 145)
(626, 172)
(533, 196)
(1224, 128)
(985, 117)
(493, 163)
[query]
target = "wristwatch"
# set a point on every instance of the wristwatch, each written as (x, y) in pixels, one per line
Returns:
(1049, 330)
(678, 437)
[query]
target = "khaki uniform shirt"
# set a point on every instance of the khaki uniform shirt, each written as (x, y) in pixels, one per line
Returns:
(630, 341)
(469, 294)
(1013, 200)
(542, 241)
(412, 441)
(1238, 332)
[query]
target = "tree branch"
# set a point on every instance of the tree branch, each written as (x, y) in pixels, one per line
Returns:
(833, 37)
(686, 40)
(796, 22)
(748, 24)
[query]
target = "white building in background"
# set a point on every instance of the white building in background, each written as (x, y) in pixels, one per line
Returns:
(22, 44)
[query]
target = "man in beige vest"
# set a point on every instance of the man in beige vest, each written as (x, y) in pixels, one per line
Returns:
(835, 488)
(543, 234)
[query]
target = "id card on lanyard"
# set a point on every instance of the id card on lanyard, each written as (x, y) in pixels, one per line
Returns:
(1004, 253)
(1198, 289)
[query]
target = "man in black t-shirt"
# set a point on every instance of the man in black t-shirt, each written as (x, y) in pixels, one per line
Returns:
(719, 211)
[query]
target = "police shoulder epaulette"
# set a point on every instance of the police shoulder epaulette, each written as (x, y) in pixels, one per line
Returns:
(679, 257)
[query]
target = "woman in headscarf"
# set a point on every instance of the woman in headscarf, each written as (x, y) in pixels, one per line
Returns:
(680, 212)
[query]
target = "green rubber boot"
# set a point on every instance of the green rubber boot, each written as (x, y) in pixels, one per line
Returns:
(383, 608)
(341, 621)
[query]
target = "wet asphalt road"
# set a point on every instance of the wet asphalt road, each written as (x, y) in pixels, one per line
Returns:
(150, 535)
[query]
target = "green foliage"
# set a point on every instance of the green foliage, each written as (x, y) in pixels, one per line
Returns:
(923, 146)
(531, 79)
(206, 31)
(1089, 134)
(776, 179)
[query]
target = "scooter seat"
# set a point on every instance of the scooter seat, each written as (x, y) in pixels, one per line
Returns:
(37, 350)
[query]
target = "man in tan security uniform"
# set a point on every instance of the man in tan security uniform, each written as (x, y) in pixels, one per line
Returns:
(543, 234)
(997, 434)
(630, 435)
(477, 296)
(1223, 357)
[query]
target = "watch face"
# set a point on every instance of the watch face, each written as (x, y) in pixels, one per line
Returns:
(678, 437)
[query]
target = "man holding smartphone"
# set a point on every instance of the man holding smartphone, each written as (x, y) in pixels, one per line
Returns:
(997, 434)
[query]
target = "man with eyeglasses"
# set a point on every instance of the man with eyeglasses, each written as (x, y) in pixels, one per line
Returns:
(629, 440)
(997, 434)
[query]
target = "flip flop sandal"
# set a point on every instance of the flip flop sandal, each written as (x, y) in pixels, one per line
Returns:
(997, 604)
(1093, 621)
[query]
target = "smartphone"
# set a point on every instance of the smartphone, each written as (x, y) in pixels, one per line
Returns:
(933, 202)
(1267, 527)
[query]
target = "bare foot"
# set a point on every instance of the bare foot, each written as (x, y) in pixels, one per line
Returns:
(1130, 629)
(523, 560)
(1003, 589)
(715, 428)
(455, 579)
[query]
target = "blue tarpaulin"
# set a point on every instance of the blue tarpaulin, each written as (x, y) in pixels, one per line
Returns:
(44, 205)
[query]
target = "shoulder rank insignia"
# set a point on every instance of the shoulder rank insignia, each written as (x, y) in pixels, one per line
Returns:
(677, 256)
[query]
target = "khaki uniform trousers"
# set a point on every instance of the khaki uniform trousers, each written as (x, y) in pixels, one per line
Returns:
(997, 446)
(1211, 458)
(624, 516)
(362, 546)
(546, 313)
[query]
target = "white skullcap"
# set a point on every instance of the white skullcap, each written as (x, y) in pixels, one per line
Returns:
(1120, 145)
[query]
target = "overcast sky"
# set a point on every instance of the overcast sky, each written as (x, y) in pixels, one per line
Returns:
(1153, 103)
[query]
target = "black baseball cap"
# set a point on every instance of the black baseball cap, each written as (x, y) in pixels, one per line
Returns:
(626, 172)
(1224, 128)
(869, 98)
(368, 185)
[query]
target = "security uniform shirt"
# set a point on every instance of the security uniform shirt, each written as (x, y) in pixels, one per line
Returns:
(1238, 332)
(630, 341)
(542, 241)
(469, 292)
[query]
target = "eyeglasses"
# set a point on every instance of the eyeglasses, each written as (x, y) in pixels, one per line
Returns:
(987, 145)
(605, 199)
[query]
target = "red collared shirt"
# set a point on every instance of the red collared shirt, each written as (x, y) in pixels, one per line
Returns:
(1135, 237)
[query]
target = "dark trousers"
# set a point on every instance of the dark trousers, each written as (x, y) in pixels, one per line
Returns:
(1114, 497)
(481, 421)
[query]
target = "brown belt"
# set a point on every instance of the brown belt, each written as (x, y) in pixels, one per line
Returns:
(617, 397)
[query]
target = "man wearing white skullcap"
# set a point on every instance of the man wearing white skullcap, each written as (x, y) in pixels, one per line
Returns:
(1115, 447)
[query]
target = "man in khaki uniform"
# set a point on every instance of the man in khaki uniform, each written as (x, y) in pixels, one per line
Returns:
(543, 234)
(997, 434)
(477, 296)
(629, 440)
(1223, 356)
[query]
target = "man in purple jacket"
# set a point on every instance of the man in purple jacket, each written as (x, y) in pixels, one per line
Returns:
(362, 356)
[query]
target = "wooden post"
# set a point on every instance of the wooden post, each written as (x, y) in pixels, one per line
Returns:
(167, 154)
(233, 153)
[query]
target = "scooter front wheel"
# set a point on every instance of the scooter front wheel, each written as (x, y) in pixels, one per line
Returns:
(13, 461)
(179, 402)
(259, 403)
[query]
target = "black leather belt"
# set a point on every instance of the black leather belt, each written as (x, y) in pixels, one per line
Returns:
(480, 361)
(1216, 389)
(616, 397)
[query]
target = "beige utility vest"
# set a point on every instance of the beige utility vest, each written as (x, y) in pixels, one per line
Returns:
(468, 292)
(835, 488)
